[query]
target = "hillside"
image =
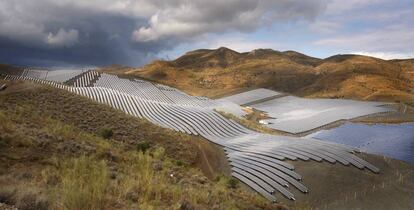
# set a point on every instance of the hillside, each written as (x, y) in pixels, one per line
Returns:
(59, 150)
(63, 151)
(223, 71)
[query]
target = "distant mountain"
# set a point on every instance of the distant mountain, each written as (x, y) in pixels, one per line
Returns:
(223, 71)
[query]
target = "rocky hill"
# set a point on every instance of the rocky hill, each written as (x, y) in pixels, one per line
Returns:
(223, 71)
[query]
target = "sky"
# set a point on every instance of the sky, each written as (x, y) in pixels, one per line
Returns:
(134, 32)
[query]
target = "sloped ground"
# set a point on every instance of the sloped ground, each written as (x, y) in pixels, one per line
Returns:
(49, 138)
(62, 151)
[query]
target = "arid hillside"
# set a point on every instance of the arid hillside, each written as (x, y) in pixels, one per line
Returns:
(59, 150)
(63, 151)
(223, 71)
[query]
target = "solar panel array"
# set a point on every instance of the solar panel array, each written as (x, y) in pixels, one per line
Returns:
(85, 79)
(295, 115)
(62, 75)
(35, 73)
(256, 159)
(251, 96)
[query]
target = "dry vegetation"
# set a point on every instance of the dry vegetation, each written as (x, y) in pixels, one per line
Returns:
(219, 72)
(62, 151)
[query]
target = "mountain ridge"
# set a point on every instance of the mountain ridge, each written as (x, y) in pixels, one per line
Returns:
(222, 71)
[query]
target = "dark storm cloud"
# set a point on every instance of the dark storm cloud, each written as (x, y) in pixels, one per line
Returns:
(101, 32)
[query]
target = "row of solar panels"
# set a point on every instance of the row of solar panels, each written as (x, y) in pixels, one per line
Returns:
(59, 76)
(148, 90)
(297, 115)
(86, 79)
(252, 96)
(156, 92)
(256, 159)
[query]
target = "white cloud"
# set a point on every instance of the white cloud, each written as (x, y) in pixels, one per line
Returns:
(240, 44)
(340, 6)
(176, 19)
(63, 38)
(398, 38)
(386, 55)
(143, 28)
(158, 29)
(193, 18)
(325, 27)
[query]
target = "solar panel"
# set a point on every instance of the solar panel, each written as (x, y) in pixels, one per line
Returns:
(251, 96)
(295, 115)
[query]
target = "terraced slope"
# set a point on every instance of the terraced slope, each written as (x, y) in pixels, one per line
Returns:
(257, 159)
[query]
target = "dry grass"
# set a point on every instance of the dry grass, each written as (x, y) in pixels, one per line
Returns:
(6, 125)
(83, 184)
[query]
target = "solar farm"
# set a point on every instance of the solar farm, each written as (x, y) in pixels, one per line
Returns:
(297, 115)
(259, 160)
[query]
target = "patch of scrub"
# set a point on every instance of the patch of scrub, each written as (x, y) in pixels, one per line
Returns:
(392, 140)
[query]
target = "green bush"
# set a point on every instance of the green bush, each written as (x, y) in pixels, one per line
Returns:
(179, 163)
(106, 133)
(226, 181)
(143, 146)
(232, 183)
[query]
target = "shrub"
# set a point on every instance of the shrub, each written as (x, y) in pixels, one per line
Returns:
(106, 133)
(179, 163)
(232, 183)
(3, 142)
(219, 177)
(7, 195)
(159, 153)
(143, 146)
(226, 181)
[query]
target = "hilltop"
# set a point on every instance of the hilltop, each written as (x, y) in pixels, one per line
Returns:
(224, 71)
